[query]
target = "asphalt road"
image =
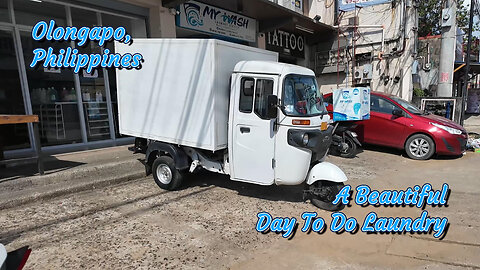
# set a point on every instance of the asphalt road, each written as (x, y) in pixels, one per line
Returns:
(210, 223)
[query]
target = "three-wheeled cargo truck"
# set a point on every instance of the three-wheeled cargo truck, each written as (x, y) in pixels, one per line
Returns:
(230, 109)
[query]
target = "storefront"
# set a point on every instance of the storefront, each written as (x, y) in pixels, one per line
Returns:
(77, 111)
(262, 24)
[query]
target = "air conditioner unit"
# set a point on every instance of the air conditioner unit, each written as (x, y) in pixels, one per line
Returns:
(367, 71)
(358, 73)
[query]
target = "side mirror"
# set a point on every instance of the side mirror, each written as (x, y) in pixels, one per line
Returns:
(398, 113)
(272, 104)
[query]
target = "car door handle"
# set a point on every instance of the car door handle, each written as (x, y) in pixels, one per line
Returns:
(244, 130)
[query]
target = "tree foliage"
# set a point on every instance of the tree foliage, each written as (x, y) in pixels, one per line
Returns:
(430, 14)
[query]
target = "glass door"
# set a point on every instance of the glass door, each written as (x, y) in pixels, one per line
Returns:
(52, 94)
(11, 98)
(92, 84)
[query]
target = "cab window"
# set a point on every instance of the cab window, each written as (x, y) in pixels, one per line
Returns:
(263, 89)
(246, 95)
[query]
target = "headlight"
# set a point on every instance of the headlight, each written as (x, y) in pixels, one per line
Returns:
(305, 139)
(448, 129)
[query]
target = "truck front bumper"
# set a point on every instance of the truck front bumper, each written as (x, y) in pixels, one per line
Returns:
(318, 141)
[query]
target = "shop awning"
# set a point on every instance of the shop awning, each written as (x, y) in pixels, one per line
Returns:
(474, 67)
(271, 16)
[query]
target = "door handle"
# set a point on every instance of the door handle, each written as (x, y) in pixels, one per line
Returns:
(244, 130)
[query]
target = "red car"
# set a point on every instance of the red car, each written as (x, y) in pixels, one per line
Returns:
(397, 123)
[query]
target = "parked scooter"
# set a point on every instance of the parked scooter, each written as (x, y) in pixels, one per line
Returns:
(14, 260)
(344, 140)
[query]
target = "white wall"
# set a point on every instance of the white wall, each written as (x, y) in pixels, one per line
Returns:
(324, 8)
(161, 21)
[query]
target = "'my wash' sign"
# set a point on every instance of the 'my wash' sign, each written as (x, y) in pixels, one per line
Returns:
(216, 21)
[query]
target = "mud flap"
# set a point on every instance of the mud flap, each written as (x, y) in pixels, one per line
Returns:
(325, 171)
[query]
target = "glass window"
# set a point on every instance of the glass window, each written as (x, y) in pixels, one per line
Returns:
(11, 98)
(263, 90)
(53, 96)
(29, 12)
(4, 14)
(407, 105)
(381, 105)
(135, 27)
(246, 95)
(301, 96)
(92, 85)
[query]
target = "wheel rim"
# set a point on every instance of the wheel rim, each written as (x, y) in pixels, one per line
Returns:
(419, 147)
(164, 174)
(350, 146)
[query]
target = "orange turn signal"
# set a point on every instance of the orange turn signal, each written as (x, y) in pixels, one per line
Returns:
(301, 122)
(324, 126)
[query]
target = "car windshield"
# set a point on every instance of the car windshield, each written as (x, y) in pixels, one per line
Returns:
(301, 96)
(407, 105)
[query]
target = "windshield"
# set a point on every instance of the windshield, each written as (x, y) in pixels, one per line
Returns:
(407, 105)
(301, 96)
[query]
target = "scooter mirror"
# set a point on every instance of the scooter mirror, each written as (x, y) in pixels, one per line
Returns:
(272, 104)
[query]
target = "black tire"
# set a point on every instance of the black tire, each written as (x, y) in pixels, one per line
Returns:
(420, 147)
(328, 193)
(351, 152)
(165, 174)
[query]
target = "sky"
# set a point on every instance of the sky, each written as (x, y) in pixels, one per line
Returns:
(475, 19)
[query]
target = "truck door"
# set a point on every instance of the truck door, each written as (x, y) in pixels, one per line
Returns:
(253, 139)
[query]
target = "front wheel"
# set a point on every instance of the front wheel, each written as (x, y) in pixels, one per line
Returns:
(323, 193)
(420, 147)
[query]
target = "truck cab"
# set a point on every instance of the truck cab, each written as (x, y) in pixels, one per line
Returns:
(278, 123)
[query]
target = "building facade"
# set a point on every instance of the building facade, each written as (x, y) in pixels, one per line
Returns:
(375, 46)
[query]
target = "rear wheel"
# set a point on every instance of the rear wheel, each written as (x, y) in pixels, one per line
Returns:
(351, 151)
(165, 174)
(324, 193)
(420, 147)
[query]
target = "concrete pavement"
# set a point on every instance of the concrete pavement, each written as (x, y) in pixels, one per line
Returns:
(68, 173)
(210, 222)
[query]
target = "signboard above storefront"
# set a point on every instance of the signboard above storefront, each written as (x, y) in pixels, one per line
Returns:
(216, 21)
(348, 5)
(286, 43)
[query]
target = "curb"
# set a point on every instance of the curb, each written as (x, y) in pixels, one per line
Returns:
(62, 176)
(53, 192)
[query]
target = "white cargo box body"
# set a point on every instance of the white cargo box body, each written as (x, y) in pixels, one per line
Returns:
(181, 93)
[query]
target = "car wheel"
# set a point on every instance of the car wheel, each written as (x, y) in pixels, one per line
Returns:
(420, 147)
(165, 174)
